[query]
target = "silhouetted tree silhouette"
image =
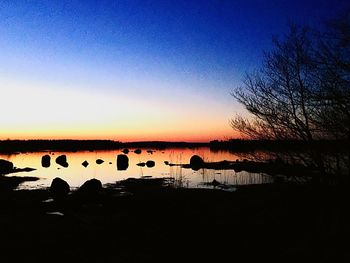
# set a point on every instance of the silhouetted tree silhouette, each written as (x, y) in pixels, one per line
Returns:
(279, 96)
(302, 91)
(332, 58)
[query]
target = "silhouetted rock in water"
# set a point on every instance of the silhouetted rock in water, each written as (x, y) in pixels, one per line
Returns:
(59, 189)
(125, 151)
(85, 163)
(90, 188)
(222, 165)
(150, 151)
(62, 160)
(137, 151)
(196, 162)
(110, 162)
(122, 162)
(99, 161)
(298, 172)
(166, 162)
(6, 166)
(222, 186)
(150, 164)
(27, 169)
(146, 184)
(46, 161)
(215, 183)
(11, 182)
(141, 164)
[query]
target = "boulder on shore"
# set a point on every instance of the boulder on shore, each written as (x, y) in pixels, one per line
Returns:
(5, 166)
(59, 189)
(90, 188)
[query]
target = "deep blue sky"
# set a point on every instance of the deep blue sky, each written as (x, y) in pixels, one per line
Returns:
(160, 60)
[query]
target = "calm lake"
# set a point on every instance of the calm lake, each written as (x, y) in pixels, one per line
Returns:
(76, 174)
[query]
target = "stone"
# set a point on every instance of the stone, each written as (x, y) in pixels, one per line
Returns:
(90, 188)
(196, 162)
(46, 161)
(5, 166)
(122, 162)
(59, 189)
(99, 161)
(150, 164)
(215, 183)
(62, 160)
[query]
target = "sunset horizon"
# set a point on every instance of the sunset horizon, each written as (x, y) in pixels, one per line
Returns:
(133, 71)
(124, 140)
(174, 131)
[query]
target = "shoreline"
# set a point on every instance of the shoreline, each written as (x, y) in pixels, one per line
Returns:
(261, 222)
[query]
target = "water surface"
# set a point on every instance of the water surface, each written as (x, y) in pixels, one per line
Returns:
(76, 174)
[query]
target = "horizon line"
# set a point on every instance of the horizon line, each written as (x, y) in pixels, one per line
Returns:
(111, 140)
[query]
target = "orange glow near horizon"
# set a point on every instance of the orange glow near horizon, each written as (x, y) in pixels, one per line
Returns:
(191, 134)
(127, 137)
(46, 113)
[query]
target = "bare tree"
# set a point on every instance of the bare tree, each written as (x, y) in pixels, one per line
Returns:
(279, 96)
(333, 62)
(332, 57)
(302, 91)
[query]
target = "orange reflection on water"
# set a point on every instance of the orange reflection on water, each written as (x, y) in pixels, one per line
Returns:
(76, 174)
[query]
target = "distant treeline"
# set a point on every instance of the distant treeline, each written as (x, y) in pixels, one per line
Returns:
(58, 145)
(164, 145)
(236, 145)
(281, 145)
(10, 146)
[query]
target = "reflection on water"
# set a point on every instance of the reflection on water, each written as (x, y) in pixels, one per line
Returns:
(76, 174)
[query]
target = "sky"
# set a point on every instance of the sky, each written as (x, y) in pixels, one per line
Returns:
(135, 70)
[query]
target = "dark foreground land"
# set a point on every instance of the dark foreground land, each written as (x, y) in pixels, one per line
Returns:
(267, 223)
